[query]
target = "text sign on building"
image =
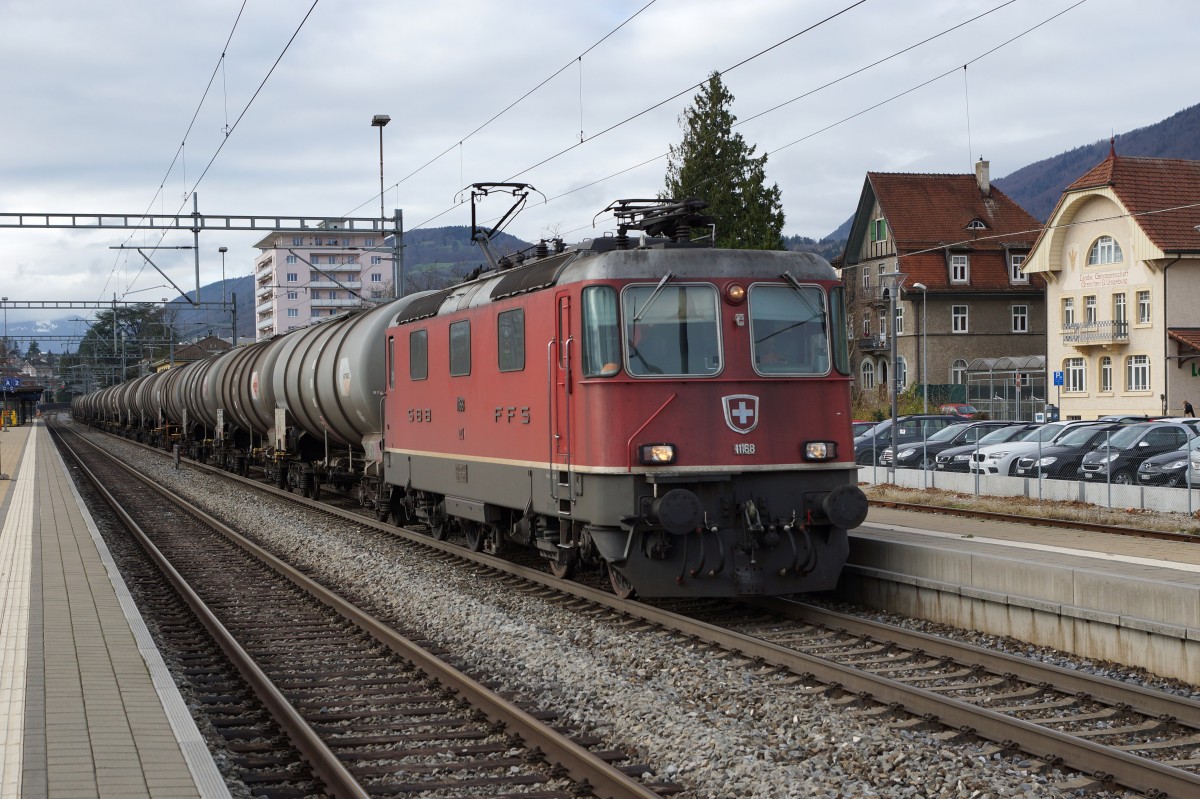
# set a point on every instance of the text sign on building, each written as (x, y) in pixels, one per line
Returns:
(1092, 280)
(1058, 378)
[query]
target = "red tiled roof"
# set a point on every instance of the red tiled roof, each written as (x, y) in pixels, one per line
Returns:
(927, 210)
(1145, 185)
(931, 211)
(1188, 336)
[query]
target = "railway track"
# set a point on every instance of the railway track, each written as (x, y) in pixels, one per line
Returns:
(372, 712)
(1111, 732)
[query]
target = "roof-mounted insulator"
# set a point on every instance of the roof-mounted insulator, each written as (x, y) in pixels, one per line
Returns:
(542, 249)
(559, 245)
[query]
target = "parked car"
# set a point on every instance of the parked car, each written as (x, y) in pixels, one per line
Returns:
(959, 409)
(922, 454)
(870, 445)
(957, 459)
(1170, 468)
(858, 426)
(1119, 459)
(1002, 458)
(1061, 459)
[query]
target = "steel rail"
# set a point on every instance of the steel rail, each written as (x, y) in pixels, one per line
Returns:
(603, 779)
(1100, 762)
(323, 761)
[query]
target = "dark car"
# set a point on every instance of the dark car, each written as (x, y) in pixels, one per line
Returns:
(859, 426)
(1061, 459)
(958, 459)
(1170, 468)
(921, 454)
(870, 445)
(1119, 459)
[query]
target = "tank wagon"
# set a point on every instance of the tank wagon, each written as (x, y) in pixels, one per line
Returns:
(677, 415)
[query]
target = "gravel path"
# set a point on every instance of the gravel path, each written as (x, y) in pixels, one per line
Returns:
(709, 721)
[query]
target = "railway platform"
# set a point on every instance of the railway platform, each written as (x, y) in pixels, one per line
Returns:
(87, 707)
(1109, 597)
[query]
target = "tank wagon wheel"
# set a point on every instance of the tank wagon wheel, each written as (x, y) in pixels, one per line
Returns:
(620, 583)
(475, 533)
(563, 570)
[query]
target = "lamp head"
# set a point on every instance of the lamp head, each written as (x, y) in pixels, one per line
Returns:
(222, 250)
(379, 120)
(918, 286)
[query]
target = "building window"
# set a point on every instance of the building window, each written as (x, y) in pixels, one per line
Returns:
(1068, 311)
(1105, 250)
(1089, 309)
(868, 374)
(460, 348)
(418, 355)
(958, 372)
(899, 320)
(1143, 298)
(293, 312)
(1119, 308)
(960, 268)
(317, 241)
(315, 313)
(883, 331)
(1137, 373)
(291, 259)
(1015, 275)
(866, 279)
(351, 259)
(316, 295)
(976, 224)
(1074, 375)
(958, 319)
(368, 242)
(376, 277)
(866, 329)
(510, 340)
(879, 229)
(1020, 319)
(1106, 374)
(293, 295)
(291, 277)
(376, 260)
(297, 241)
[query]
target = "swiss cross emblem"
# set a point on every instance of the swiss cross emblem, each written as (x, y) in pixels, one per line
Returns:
(741, 412)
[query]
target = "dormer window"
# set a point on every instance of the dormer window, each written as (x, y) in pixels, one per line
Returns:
(1105, 250)
(960, 269)
(879, 229)
(976, 224)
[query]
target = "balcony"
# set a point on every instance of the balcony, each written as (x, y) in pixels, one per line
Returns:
(354, 303)
(265, 307)
(329, 284)
(873, 344)
(1096, 334)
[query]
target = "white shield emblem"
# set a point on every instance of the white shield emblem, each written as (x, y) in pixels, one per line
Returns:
(741, 412)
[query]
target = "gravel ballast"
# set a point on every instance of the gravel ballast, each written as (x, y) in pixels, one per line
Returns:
(717, 725)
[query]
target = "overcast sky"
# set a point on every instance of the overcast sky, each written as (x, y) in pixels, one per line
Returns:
(98, 98)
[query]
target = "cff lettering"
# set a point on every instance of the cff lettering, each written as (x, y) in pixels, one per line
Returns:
(512, 414)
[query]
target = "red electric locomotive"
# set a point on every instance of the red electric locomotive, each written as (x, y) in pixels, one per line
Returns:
(677, 414)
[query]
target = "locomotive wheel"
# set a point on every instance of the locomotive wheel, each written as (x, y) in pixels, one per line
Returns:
(475, 533)
(620, 583)
(440, 530)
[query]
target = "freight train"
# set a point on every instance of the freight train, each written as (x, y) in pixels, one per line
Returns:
(673, 413)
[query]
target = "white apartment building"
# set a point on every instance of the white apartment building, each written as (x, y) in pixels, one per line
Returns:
(305, 277)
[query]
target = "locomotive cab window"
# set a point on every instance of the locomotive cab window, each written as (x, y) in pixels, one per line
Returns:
(601, 334)
(418, 355)
(510, 340)
(460, 348)
(671, 330)
(789, 330)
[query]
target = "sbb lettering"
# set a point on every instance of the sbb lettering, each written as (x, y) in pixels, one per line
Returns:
(421, 415)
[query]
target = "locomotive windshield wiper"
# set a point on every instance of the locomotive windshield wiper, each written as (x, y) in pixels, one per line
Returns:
(653, 296)
(818, 310)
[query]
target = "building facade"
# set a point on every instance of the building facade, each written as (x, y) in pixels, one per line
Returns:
(956, 245)
(1121, 260)
(301, 278)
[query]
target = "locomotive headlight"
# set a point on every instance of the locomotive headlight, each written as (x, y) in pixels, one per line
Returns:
(656, 454)
(735, 293)
(820, 450)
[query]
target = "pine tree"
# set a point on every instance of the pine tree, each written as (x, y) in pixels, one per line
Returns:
(716, 165)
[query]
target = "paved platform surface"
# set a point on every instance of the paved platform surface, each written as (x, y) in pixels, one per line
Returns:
(87, 708)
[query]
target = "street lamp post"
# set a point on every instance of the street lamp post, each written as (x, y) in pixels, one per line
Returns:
(380, 121)
(893, 281)
(924, 349)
